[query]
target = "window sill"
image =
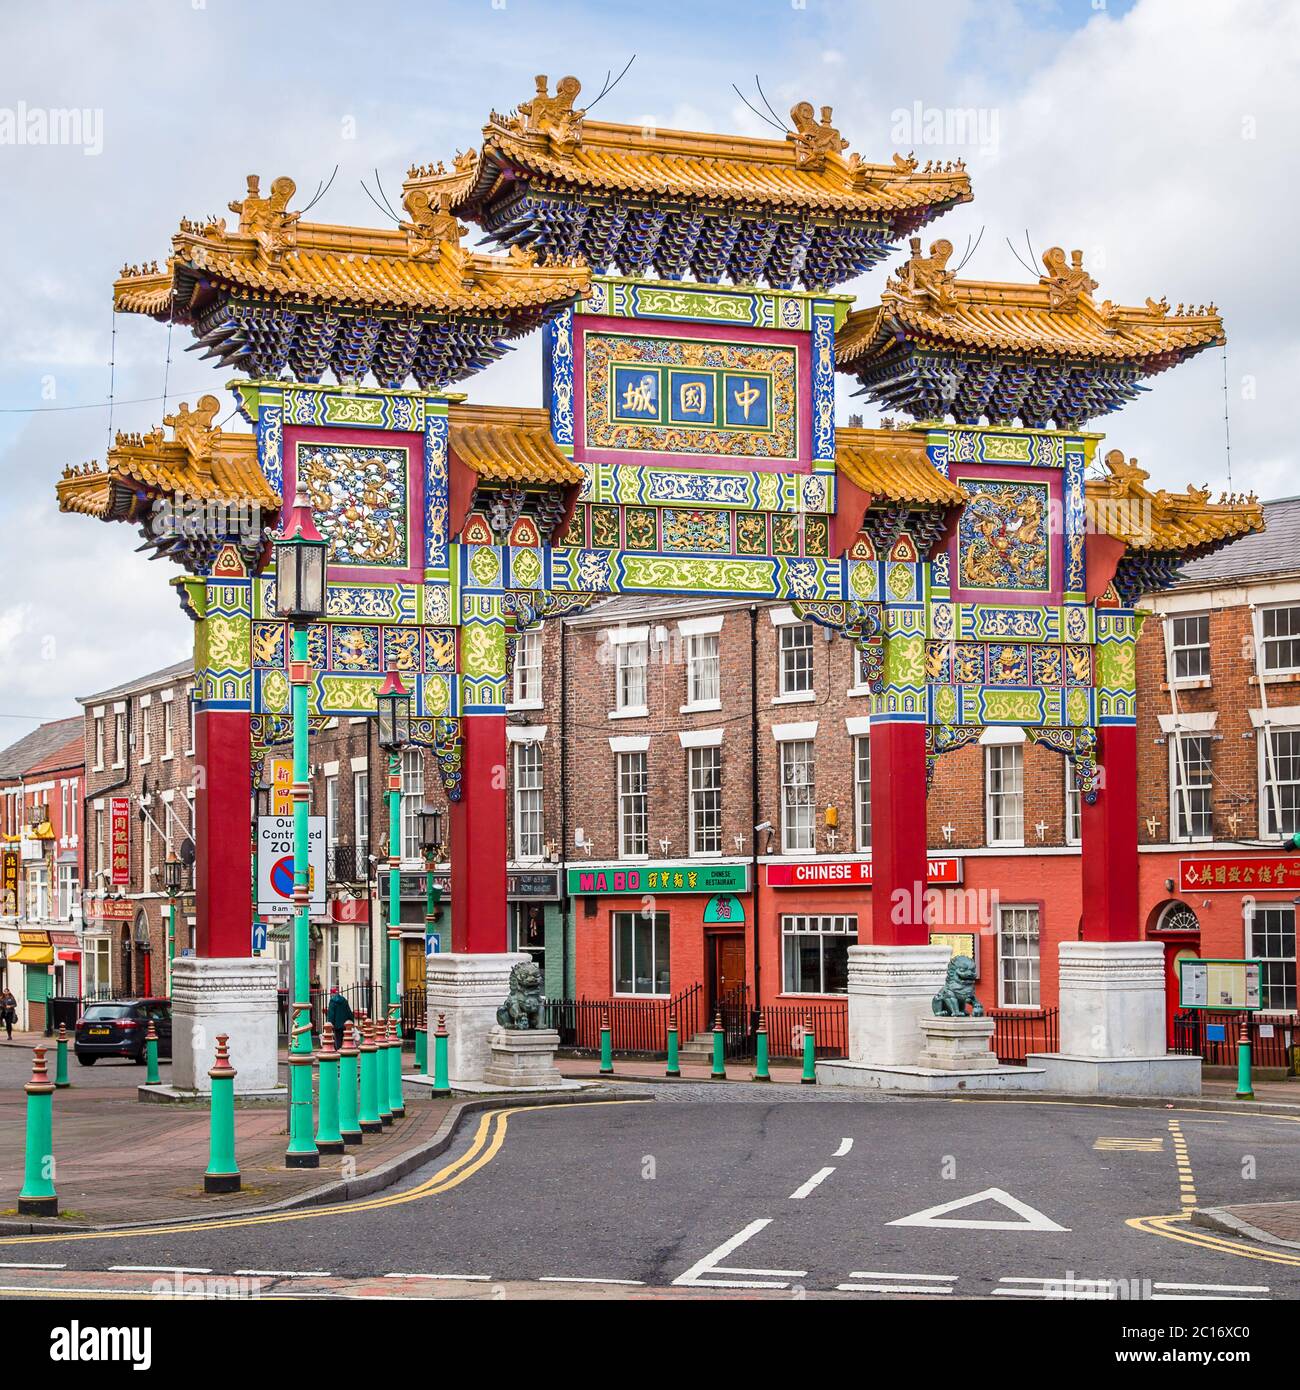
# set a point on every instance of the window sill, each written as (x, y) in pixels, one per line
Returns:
(616, 994)
(1276, 678)
(166, 757)
(855, 691)
(635, 712)
(1186, 683)
(830, 994)
(525, 704)
(701, 707)
(706, 854)
(801, 697)
(148, 758)
(1004, 844)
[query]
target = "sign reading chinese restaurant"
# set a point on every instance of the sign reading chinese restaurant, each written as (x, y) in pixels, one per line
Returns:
(119, 838)
(816, 873)
(661, 878)
(1229, 873)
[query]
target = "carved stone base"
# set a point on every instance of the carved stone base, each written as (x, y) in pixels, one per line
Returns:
(468, 989)
(236, 997)
(523, 1059)
(890, 989)
(958, 1044)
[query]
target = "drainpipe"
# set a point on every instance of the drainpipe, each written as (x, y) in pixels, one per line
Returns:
(565, 904)
(754, 795)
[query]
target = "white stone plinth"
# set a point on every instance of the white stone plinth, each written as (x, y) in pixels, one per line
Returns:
(958, 1044)
(928, 1080)
(1112, 1001)
(523, 1059)
(235, 997)
(890, 993)
(468, 990)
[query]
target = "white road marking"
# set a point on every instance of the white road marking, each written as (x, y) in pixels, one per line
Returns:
(1031, 1219)
(774, 1278)
(473, 1278)
(1119, 1144)
(158, 1269)
(893, 1288)
(816, 1180)
(845, 1146)
(578, 1279)
(62, 1291)
(287, 1273)
(1217, 1288)
(4, 1264)
(922, 1283)
(890, 1274)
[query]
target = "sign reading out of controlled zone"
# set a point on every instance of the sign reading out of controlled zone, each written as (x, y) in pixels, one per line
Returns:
(275, 865)
(1219, 984)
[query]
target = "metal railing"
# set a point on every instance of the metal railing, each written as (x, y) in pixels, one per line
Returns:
(635, 1025)
(1212, 1035)
(346, 864)
(1018, 1032)
(788, 1023)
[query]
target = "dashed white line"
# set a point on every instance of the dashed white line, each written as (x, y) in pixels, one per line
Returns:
(920, 1283)
(580, 1279)
(158, 1269)
(286, 1273)
(5, 1264)
(1217, 1288)
(893, 1288)
(845, 1146)
(472, 1278)
(816, 1180)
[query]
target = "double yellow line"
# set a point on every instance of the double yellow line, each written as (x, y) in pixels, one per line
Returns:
(1179, 1228)
(486, 1144)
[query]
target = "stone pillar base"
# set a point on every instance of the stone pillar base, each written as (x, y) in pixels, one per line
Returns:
(468, 990)
(958, 1044)
(1165, 1075)
(890, 993)
(523, 1059)
(236, 997)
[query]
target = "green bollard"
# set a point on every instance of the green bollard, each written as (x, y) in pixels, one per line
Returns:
(674, 1061)
(606, 1046)
(396, 1101)
(151, 1076)
(441, 1085)
(422, 1051)
(1245, 1090)
(61, 1060)
(382, 1086)
(38, 1197)
(761, 1072)
(370, 1120)
(349, 1125)
(719, 1072)
(328, 1138)
(809, 1077)
(223, 1172)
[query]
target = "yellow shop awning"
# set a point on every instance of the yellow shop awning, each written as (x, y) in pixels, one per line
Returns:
(33, 955)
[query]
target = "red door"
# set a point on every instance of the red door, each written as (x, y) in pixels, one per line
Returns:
(1174, 952)
(727, 966)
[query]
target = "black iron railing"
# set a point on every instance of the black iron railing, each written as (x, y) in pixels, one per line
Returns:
(1213, 1035)
(787, 1024)
(1018, 1032)
(635, 1025)
(346, 864)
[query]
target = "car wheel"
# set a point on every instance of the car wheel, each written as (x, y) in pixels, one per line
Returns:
(86, 1061)
(139, 1058)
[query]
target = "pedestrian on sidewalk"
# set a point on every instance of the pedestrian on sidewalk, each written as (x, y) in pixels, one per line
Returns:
(339, 1013)
(8, 1012)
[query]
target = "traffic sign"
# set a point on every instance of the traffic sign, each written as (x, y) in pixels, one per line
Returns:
(259, 937)
(432, 943)
(275, 865)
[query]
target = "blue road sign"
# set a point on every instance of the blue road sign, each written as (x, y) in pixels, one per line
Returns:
(259, 936)
(432, 943)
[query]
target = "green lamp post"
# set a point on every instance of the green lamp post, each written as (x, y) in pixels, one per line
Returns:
(431, 842)
(394, 703)
(172, 883)
(300, 552)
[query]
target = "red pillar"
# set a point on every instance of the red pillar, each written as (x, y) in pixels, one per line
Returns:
(478, 838)
(1110, 841)
(223, 866)
(898, 840)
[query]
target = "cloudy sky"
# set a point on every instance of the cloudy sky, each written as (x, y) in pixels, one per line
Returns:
(1156, 135)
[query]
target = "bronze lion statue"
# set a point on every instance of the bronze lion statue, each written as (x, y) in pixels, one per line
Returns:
(523, 1005)
(958, 991)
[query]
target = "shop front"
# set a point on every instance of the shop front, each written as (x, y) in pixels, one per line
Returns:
(536, 924)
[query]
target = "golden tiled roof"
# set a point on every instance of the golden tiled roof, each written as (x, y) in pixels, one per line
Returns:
(1057, 316)
(199, 463)
(417, 266)
(1121, 505)
(893, 465)
(510, 444)
(807, 170)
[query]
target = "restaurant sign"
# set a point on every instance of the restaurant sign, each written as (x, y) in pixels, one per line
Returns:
(817, 873)
(119, 831)
(661, 878)
(1230, 873)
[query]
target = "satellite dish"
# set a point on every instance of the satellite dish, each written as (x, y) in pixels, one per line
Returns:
(186, 852)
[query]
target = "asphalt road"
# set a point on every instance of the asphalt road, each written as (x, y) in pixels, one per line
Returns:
(792, 1193)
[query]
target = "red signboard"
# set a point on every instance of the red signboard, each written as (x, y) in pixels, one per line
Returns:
(1236, 873)
(119, 820)
(814, 873)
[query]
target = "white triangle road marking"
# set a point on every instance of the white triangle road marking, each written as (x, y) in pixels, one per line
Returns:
(1031, 1219)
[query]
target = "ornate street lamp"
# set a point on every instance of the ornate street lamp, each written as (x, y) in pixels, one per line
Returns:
(431, 842)
(172, 884)
(300, 596)
(394, 702)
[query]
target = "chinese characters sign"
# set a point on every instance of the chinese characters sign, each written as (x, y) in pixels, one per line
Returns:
(119, 838)
(1227, 873)
(653, 878)
(9, 884)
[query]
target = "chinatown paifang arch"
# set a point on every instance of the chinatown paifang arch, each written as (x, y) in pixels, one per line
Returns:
(684, 285)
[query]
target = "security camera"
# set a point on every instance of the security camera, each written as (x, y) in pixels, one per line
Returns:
(763, 825)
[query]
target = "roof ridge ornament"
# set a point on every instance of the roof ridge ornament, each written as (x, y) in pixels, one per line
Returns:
(553, 116)
(927, 277)
(430, 227)
(1066, 283)
(813, 139)
(195, 431)
(268, 220)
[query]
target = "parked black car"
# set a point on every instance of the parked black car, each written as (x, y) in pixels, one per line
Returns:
(117, 1028)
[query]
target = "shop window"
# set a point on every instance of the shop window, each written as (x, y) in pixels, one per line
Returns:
(1190, 786)
(528, 932)
(1018, 957)
(815, 953)
(862, 789)
(641, 941)
(1270, 938)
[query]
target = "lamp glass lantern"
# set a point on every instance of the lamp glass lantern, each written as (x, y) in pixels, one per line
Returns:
(394, 701)
(172, 875)
(431, 830)
(300, 552)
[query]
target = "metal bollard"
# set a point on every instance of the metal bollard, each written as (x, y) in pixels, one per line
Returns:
(151, 1076)
(422, 1051)
(396, 1101)
(674, 1061)
(349, 1124)
(761, 1072)
(441, 1085)
(61, 1060)
(369, 1121)
(1245, 1089)
(719, 1072)
(809, 1077)
(223, 1172)
(606, 1046)
(38, 1197)
(328, 1138)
